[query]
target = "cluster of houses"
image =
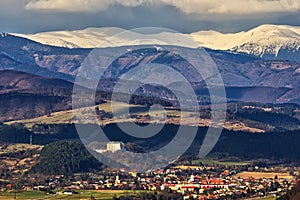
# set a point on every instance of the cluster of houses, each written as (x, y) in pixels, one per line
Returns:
(196, 182)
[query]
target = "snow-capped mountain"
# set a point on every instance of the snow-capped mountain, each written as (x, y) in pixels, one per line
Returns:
(110, 37)
(248, 76)
(86, 38)
(265, 41)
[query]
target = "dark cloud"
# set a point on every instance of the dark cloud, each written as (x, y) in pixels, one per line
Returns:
(14, 18)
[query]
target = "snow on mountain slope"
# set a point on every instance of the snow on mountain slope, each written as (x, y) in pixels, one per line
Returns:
(265, 39)
(86, 38)
(109, 37)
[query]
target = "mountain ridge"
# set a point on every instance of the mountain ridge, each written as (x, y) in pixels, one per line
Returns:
(237, 70)
(266, 41)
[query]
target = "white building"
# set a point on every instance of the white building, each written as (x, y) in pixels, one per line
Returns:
(112, 147)
(115, 146)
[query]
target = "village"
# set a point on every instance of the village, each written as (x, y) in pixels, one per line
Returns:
(205, 178)
(188, 181)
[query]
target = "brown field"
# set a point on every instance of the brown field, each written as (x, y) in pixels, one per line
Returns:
(19, 163)
(85, 115)
(259, 175)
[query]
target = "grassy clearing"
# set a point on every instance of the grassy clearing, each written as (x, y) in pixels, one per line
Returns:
(82, 194)
(259, 175)
(86, 115)
(269, 198)
(25, 195)
(13, 148)
(212, 162)
(98, 194)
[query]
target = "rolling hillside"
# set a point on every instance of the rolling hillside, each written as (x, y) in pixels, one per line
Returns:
(24, 95)
(47, 84)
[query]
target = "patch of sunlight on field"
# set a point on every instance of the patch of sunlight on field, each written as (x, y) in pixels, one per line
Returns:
(269, 198)
(25, 195)
(82, 194)
(13, 148)
(212, 162)
(86, 115)
(68, 115)
(259, 175)
(98, 194)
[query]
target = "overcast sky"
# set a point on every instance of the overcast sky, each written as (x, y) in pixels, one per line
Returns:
(30, 16)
